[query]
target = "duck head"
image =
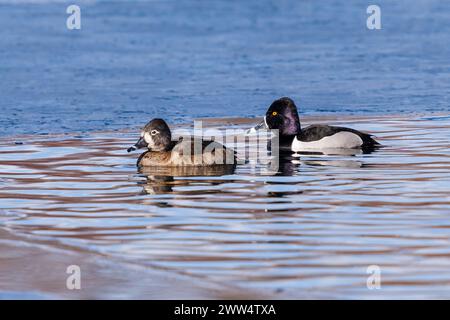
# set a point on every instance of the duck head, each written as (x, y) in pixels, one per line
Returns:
(283, 116)
(155, 136)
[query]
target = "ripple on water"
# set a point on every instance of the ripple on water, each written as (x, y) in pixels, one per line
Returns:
(315, 225)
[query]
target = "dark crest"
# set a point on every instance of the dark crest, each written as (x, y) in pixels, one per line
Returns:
(283, 115)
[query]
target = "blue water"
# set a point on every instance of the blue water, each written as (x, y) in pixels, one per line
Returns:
(180, 60)
(310, 230)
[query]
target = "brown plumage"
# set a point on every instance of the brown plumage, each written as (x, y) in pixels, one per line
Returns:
(162, 151)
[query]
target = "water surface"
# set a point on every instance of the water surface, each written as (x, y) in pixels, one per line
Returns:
(309, 230)
(181, 60)
(71, 103)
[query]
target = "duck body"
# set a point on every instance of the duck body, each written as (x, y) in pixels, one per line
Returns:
(183, 154)
(317, 137)
(282, 116)
(193, 151)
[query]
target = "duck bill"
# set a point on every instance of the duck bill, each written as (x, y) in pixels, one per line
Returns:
(259, 126)
(138, 145)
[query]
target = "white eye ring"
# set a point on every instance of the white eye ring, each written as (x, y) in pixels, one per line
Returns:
(154, 132)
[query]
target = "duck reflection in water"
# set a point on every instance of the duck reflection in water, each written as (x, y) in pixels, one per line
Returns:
(160, 180)
(287, 163)
(290, 162)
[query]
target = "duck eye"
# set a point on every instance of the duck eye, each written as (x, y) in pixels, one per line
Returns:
(154, 132)
(274, 113)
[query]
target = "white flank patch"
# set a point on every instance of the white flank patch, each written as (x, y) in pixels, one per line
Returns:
(340, 140)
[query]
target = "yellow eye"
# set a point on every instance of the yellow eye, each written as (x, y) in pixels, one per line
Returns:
(274, 113)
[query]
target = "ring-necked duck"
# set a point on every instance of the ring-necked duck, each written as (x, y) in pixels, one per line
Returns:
(162, 151)
(282, 115)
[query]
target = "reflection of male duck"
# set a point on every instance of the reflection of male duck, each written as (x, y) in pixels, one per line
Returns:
(289, 163)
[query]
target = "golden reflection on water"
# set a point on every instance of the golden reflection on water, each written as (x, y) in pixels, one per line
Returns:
(310, 229)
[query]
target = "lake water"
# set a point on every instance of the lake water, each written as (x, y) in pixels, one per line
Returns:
(309, 230)
(134, 60)
(72, 102)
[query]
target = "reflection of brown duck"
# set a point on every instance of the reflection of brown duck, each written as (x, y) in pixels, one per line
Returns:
(162, 151)
(158, 184)
(161, 179)
(192, 171)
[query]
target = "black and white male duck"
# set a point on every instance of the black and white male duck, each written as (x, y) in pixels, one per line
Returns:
(283, 115)
(161, 151)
